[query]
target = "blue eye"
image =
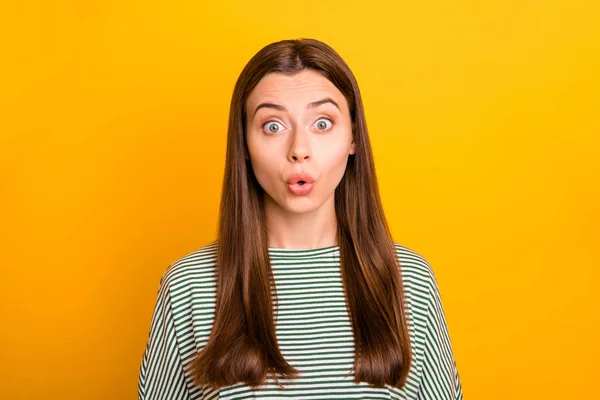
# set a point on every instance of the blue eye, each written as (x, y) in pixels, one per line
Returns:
(272, 129)
(322, 125)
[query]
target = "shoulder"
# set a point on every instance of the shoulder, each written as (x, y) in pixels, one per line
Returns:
(197, 266)
(417, 274)
(188, 291)
(413, 263)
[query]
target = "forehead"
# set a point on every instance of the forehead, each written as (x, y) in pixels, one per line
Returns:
(302, 87)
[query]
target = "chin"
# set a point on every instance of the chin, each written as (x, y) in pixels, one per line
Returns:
(301, 206)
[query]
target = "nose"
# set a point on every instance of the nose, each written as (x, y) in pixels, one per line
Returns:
(299, 146)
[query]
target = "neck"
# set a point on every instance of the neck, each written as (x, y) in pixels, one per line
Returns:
(301, 230)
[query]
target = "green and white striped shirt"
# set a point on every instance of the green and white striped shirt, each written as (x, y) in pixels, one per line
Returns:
(312, 327)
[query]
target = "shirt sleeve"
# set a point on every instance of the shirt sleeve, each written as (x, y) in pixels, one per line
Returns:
(440, 379)
(161, 374)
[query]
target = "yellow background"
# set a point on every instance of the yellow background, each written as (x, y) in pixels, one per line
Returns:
(484, 120)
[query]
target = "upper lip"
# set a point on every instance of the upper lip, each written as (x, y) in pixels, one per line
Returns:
(295, 178)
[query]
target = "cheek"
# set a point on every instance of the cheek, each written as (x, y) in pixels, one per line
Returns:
(258, 157)
(333, 163)
(264, 166)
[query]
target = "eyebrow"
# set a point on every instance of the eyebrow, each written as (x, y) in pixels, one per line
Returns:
(314, 104)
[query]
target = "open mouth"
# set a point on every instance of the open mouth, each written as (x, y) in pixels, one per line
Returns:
(300, 187)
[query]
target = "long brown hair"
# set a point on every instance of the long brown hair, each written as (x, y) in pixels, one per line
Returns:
(243, 345)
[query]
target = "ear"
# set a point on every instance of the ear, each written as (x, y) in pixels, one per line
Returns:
(353, 144)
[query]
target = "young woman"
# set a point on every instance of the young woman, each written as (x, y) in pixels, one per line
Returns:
(304, 294)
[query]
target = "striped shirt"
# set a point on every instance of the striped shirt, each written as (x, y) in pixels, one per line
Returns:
(313, 330)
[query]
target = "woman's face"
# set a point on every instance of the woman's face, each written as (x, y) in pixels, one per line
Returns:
(293, 126)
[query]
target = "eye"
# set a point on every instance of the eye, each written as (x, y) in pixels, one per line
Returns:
(323, 125)
(271, 128)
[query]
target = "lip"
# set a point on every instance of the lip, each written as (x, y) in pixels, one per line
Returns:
(297, 188)
(303, 176)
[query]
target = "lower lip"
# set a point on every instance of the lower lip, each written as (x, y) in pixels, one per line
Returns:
(301, 189)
